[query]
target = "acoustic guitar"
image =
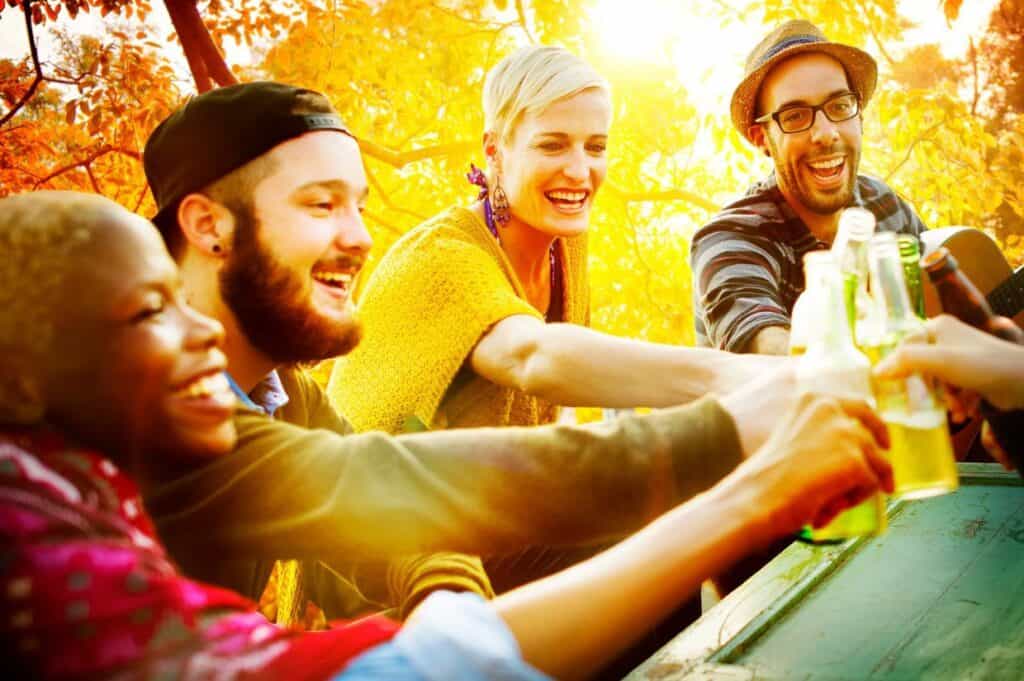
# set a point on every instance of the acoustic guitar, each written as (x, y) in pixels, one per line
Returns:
(985, 265)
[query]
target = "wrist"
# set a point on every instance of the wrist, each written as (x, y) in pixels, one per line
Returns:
(742, 502)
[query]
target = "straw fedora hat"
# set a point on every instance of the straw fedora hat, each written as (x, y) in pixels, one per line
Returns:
(793, 38)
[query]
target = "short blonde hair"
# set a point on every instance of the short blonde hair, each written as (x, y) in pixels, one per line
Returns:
(532, 79)
(40, 234)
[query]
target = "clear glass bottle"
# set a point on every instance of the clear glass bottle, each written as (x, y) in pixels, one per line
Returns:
(832, 365)
(850, 249)
(921, 451)
(817, 265)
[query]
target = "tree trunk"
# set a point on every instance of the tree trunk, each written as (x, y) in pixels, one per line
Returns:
(204, 59)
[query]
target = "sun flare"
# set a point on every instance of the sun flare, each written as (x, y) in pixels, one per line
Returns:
(708, 58)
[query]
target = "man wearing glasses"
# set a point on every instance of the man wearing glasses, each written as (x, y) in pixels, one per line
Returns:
(800, 104)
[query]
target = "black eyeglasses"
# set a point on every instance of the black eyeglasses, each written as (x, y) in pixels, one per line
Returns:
(798, 118)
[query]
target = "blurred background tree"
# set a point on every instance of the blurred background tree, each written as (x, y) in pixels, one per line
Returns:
(946, 132)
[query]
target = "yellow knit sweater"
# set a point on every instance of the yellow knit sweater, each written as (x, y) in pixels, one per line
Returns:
(438, 290)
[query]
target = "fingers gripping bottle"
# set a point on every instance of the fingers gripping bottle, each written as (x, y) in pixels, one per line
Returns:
(832, 365)
(962, 299)
(922, 452)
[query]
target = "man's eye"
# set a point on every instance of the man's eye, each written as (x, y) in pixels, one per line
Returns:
(842, 107)
(597, 148)
(792, 116)
(323, 205)
(551, 146)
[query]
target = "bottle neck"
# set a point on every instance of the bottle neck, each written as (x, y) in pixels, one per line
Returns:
(832, 333)
(960, 298)
(888, 285)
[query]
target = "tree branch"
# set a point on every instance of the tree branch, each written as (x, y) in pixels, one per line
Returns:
(33, 50)
(189, 44)
(86, 162)
(664, 195)
(92, 178)
(215, 64)
(874, 34)
(521, 13)
(386, 198)
(378, 220)
(399, 159)
(924, 136)
(973, 53)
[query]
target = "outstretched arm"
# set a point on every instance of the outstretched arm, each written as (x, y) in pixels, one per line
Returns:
(823, 457)
(575, 366)
(965, 357)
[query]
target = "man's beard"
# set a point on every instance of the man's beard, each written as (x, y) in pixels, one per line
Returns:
(814, 201)
(271, 306)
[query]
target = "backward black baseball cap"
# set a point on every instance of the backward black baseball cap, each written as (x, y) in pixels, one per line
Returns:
(221, 130)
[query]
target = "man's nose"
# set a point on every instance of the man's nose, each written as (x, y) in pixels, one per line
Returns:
(823, 131)
(353, 237)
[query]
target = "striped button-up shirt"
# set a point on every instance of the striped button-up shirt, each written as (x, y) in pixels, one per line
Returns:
(747, 262)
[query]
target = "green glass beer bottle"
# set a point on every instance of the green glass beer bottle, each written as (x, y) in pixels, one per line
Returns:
(910, 255)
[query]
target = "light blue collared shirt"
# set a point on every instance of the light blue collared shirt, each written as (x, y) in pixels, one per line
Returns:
(268, 396)
(451, 637)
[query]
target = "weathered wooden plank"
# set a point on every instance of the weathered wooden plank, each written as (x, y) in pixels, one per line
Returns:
(870, 620)
(939, 596)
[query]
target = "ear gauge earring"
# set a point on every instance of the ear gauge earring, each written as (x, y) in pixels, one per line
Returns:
(499, 203)
(216, 248)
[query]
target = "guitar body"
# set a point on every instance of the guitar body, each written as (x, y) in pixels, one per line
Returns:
(984, 264)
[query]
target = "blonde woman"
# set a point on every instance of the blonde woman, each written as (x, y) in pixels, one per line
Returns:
(478, 316)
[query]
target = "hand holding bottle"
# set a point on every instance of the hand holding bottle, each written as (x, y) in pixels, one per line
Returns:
(824, 456)
(965, 357)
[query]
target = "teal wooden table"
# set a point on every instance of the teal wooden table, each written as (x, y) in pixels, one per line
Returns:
(939, 596)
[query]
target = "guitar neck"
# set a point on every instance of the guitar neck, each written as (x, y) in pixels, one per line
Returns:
(1007, 299)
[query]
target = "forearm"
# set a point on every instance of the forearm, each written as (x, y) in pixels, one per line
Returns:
(771, 340)
(572, 623)
(575, 366)
(287, 491)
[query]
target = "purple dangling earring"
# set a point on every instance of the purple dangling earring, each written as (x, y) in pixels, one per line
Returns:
(496, 208)
(499, 204)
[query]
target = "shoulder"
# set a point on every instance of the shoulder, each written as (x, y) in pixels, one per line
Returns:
(308, 405)
(25, 461)
(297, 383)
(452, 252)
(892, 211)
(758, 214)
(455, 229)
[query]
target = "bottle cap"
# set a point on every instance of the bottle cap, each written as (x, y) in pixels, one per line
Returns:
(939, 263)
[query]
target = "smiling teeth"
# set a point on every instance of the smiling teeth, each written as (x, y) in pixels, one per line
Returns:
(333, 277)
(568, 196)
(826, 165)
(206, 386)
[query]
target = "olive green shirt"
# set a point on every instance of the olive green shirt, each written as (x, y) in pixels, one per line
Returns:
(296, 486)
